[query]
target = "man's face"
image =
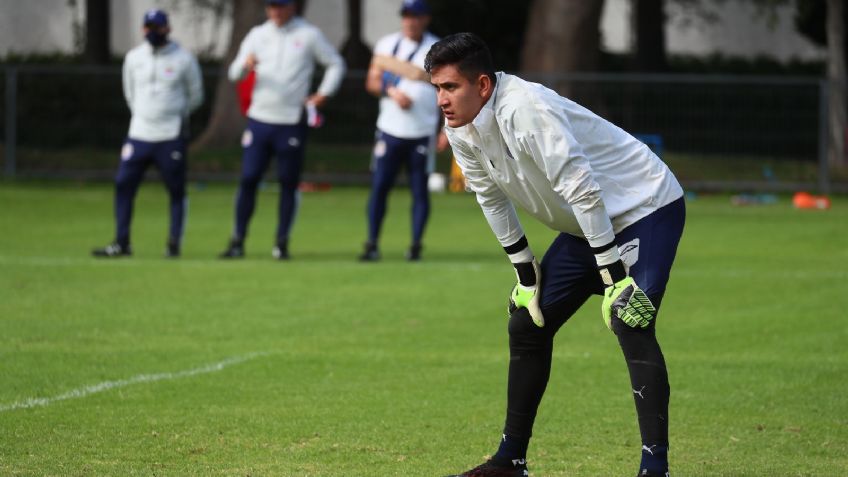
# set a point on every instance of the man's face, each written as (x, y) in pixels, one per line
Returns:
(460, 99)
(280, 14)
(414, 26)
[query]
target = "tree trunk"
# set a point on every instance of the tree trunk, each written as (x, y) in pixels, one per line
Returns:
(226, 122)
(356, 53)
(649, 26)
(562, 36)
(97, 31)
(837, 82)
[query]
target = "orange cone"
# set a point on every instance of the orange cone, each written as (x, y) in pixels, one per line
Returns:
(804, 200)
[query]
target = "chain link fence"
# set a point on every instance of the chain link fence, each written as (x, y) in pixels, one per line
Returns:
(716, 132)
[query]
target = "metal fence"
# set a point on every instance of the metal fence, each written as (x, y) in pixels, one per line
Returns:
(717, 132)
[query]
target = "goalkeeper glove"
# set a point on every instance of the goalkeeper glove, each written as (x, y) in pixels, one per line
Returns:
(623, 299)
(525, 293)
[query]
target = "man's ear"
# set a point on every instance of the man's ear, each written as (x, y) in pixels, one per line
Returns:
(484, 85)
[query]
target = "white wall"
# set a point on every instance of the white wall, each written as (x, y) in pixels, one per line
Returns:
(191, 27)
(46, 26)
(40, 25)
(739, 31)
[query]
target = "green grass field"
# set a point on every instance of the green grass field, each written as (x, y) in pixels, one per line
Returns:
(323, 366)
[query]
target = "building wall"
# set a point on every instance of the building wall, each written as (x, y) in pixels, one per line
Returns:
(47, 26)
(35, 26)
(740, 30)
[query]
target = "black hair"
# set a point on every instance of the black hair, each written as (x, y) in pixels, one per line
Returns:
(467, 51)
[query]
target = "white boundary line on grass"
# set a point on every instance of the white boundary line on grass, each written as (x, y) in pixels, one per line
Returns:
(141, 378)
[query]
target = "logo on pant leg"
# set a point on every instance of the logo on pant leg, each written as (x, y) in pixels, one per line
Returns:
(176, 155)
(421, 149)
(380, 148)
(629, 253)
(294, 142)
(246, 138)
(127, 151)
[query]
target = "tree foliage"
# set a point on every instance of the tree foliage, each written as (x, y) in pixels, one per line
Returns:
(501, 23)
(706, 10)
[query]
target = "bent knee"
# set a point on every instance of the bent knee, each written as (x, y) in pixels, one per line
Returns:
(524, 335)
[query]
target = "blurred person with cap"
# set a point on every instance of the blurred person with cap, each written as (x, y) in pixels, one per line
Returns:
(162, 85)
(282, 52)
(406, 126)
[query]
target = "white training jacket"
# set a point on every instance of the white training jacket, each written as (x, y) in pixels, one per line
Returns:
(569, 168)
(286, 58)
(162, 87)
(422, 118)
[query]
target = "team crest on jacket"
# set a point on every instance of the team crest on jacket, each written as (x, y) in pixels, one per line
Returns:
(247, 138)
(126, 151)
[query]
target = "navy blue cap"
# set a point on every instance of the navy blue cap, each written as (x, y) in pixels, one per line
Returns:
(278, 2)
(414, 7)
(156, 17)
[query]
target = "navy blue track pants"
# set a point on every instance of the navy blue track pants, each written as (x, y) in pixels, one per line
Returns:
(136, 156)
(261, 141)
(390, 155)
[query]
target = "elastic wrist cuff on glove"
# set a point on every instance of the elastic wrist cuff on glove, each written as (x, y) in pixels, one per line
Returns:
(526, 273)
(612, 273)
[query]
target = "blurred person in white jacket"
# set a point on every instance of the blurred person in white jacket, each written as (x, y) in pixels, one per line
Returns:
(162, 85)
(406, 127)
(282, 53)
(618, 208)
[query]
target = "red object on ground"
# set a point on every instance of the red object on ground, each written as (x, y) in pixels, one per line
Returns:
(244, 90)
(804, 200)
(314, 186)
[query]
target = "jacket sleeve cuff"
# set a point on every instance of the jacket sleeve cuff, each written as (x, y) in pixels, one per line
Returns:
(519, 252)
(607, 254)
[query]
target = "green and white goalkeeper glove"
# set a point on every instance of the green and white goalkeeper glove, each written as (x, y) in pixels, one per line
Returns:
(623, 299)
(525, 293)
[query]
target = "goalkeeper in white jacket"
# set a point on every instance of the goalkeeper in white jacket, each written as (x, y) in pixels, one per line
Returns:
(620, 212)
